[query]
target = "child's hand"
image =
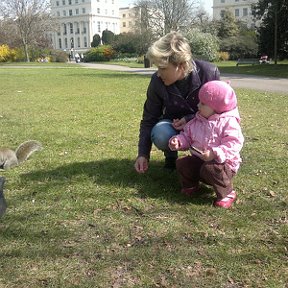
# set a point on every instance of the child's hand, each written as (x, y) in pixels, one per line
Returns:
(208, 155)
(174, 144)
(179, 124)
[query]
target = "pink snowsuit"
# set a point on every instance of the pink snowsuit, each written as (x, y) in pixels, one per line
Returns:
(222, 134)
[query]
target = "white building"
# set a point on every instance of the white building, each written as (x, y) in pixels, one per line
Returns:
(80, 20)
(241, 9)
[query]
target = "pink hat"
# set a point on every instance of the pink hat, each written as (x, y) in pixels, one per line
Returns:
(218, 95)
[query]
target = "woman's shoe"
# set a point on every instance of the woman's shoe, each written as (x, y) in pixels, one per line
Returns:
(227, 201)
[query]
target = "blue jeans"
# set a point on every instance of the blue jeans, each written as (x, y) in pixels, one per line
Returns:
(160, 135)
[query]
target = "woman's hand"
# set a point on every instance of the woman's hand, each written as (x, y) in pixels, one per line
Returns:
(141, 164)
(174, 144)
(179, 124)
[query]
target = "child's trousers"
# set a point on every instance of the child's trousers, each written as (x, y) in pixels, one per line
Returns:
(192, 170)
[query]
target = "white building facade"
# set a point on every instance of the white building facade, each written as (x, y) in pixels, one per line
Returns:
(80, 20)
(241, 9)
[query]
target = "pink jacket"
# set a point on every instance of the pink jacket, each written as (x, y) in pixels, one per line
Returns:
(220, 132)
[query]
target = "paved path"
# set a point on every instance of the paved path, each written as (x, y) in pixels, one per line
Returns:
(271, 84)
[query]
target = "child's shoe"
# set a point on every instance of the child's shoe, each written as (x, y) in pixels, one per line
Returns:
(190, 191)
(227, 201)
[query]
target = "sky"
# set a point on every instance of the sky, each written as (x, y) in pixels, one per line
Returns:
(207, 4)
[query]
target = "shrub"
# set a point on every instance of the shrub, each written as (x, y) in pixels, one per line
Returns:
(58, 56)
(204, 45)
(6, 54)
(99, 54)
(96, 40)
(223, 56)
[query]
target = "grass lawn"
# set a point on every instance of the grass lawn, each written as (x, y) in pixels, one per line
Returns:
(271, 70)
(80, 216)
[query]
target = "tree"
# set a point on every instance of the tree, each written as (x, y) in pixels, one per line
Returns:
(31, 18)
(126, 43)
(96, 40)
(8, 33)
(235, 37)
(107, 37)
(166, 15)
(227, 26)
(273, 26)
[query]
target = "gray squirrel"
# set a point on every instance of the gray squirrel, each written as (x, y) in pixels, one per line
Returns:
(10, 158)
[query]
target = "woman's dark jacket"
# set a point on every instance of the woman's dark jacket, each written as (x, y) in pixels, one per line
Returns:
(166, 102)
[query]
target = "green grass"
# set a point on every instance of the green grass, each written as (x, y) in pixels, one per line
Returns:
(271, 70)
(79, 215)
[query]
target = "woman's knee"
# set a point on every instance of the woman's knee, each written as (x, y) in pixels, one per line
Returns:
(161, 133)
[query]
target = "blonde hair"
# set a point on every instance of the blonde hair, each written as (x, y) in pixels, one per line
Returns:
(171, 48)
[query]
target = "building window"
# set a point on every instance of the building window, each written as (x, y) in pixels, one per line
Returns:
(57, 3)
(99, 26)
(78, 42)
(77, 29)
(63, 2)
(72, 42)
(71, 28)
(236, 12)
(85, 42)
(222, 1)
(76, 1)
(65, 29)
(77, 11)
(60, 43)
(83, 10)
(98, 10)
(245, 11)
(70, 2)
(70, 12)
(222, 13)
(66, 43)
(124, 24)
(64, 13)
(123, 15)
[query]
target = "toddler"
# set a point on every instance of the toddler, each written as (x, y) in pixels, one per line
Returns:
(214, 139)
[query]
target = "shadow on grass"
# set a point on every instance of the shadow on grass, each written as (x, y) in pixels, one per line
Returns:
(120, 174)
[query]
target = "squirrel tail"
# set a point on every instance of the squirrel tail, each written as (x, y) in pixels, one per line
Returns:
(24, 150)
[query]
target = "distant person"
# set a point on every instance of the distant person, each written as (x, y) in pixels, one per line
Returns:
(77, 57)
(172, 96)
(215, 140)
(264, 59)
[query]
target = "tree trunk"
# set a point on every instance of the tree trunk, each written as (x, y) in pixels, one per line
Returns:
(275, 34)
